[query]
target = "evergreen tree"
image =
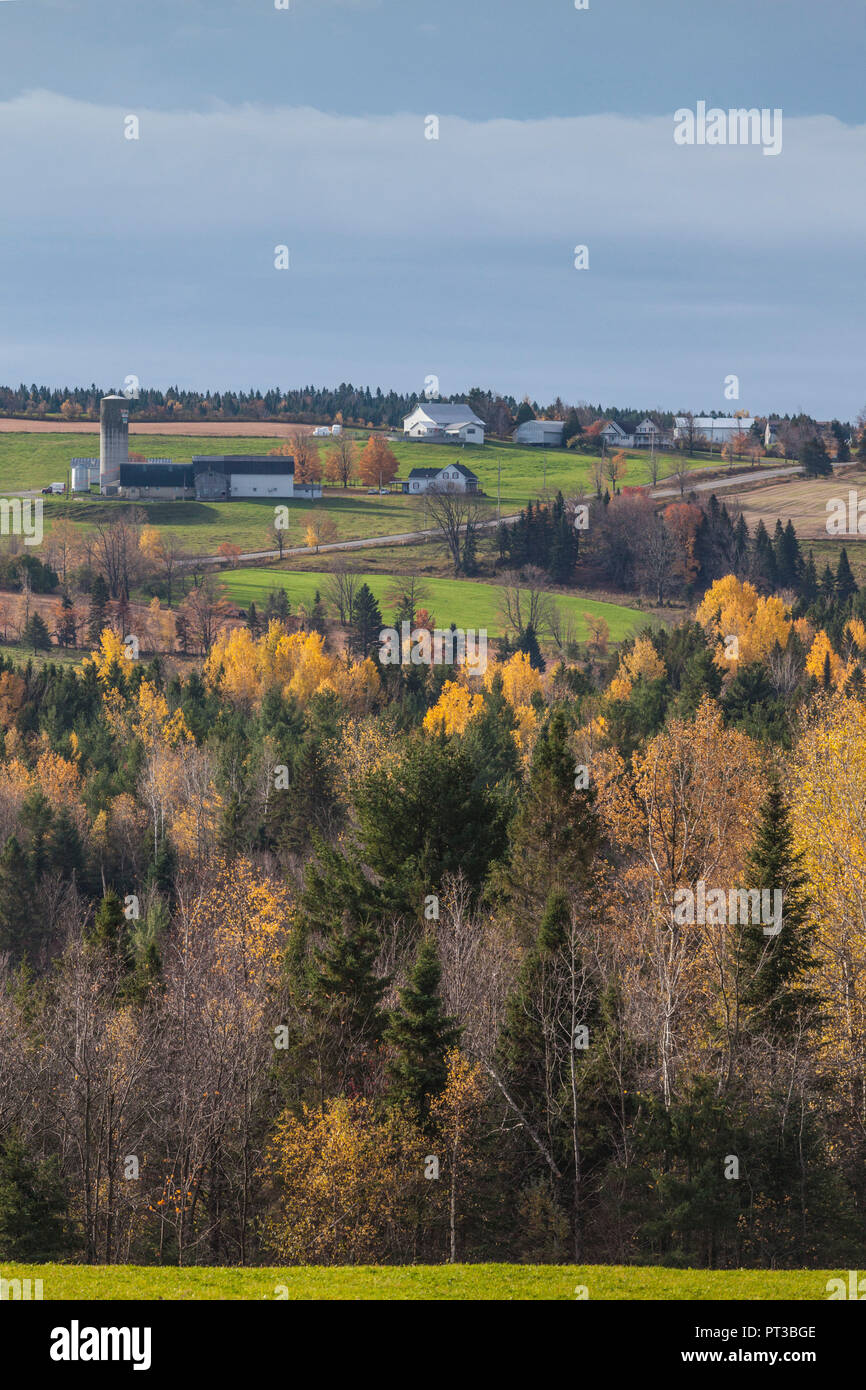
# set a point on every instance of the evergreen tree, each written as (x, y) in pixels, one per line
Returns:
(555, 835)
(815, 459)
(366, 623)
(420, 1035)
(97, 617)
(527, 642)
(845, 584)
(36, 634)
(776, 997)
(109, 923)
(345, 1001)
(34, 1221)
(17, 923)
(67, 632)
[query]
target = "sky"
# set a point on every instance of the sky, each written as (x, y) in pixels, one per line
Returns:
(408, 257)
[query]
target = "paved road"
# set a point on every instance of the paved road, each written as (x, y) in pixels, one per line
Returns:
(754, 475)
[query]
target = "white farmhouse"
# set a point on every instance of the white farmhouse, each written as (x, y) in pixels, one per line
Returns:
(647, 434)
(615, 436)
(454, 477)
(547, 433)
(444, 424)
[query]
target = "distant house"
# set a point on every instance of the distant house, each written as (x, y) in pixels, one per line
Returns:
(322, 431)
(648, 433)
(444, 424)
(615, 436)
(454, 477)
(547, 433)
(771, 433)
(336, 429)
(717, 429)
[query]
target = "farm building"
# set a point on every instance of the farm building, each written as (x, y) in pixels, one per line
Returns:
(455, 477)
(717, 429)
(547, 433)
(223, 476)
(444, 424)
(157, 478)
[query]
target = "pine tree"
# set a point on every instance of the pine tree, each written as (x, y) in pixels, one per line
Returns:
(776, 998)
(253, 620)
(17, 925)
(34, 1222)
(64, 846)
(815, 459)
(555, 835)
(845, 584)
(109, 923)
(345, 998)
(36, 634)
(97, 617)
(527, 642)
(420, 1034)
(67, 632)
(366, 623)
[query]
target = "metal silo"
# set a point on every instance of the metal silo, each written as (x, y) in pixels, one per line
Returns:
(113, 441)
(80, 477)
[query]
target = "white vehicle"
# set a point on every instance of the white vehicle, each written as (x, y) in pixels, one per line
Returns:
(57, 489)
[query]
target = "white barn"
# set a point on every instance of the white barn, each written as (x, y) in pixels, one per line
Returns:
(717, 429)
(444, 424)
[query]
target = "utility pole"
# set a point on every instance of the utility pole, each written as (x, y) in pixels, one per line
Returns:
(499, 488)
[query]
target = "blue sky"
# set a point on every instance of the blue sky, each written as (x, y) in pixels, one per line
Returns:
(305, 127)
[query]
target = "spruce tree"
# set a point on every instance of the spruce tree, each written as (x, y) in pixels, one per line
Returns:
(845, 583)
(97, 617)
(344, 1000)
(109, 923)
(555, 835)
(67, 632)
(34, 1222)
(17, 924)
(36, 634)
(366, 623)
(420, 1035)
(776, 998)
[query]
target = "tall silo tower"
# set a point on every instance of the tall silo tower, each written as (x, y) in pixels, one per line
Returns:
(113, 441)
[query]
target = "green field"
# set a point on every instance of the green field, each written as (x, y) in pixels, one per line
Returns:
(466, 602)
(562, 1283)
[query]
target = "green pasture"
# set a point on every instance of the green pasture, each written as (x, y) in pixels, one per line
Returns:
(499, 1282)
(467, 603)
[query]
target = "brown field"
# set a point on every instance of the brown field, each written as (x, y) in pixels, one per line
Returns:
(251, 429)
(803, 500)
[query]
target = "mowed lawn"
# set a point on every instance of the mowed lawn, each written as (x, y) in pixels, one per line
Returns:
(561, 1283)
(467, 603)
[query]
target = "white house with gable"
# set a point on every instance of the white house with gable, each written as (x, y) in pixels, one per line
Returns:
(444, 424)
(454, 477)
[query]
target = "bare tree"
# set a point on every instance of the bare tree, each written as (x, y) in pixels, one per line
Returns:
(341, 586)
(455, 515)
(524, 601)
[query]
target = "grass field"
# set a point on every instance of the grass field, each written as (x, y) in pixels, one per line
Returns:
(34, 460)
(562, 1283)
(465, 602)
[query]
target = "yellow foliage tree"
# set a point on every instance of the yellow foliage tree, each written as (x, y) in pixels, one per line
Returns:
(733, 608)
